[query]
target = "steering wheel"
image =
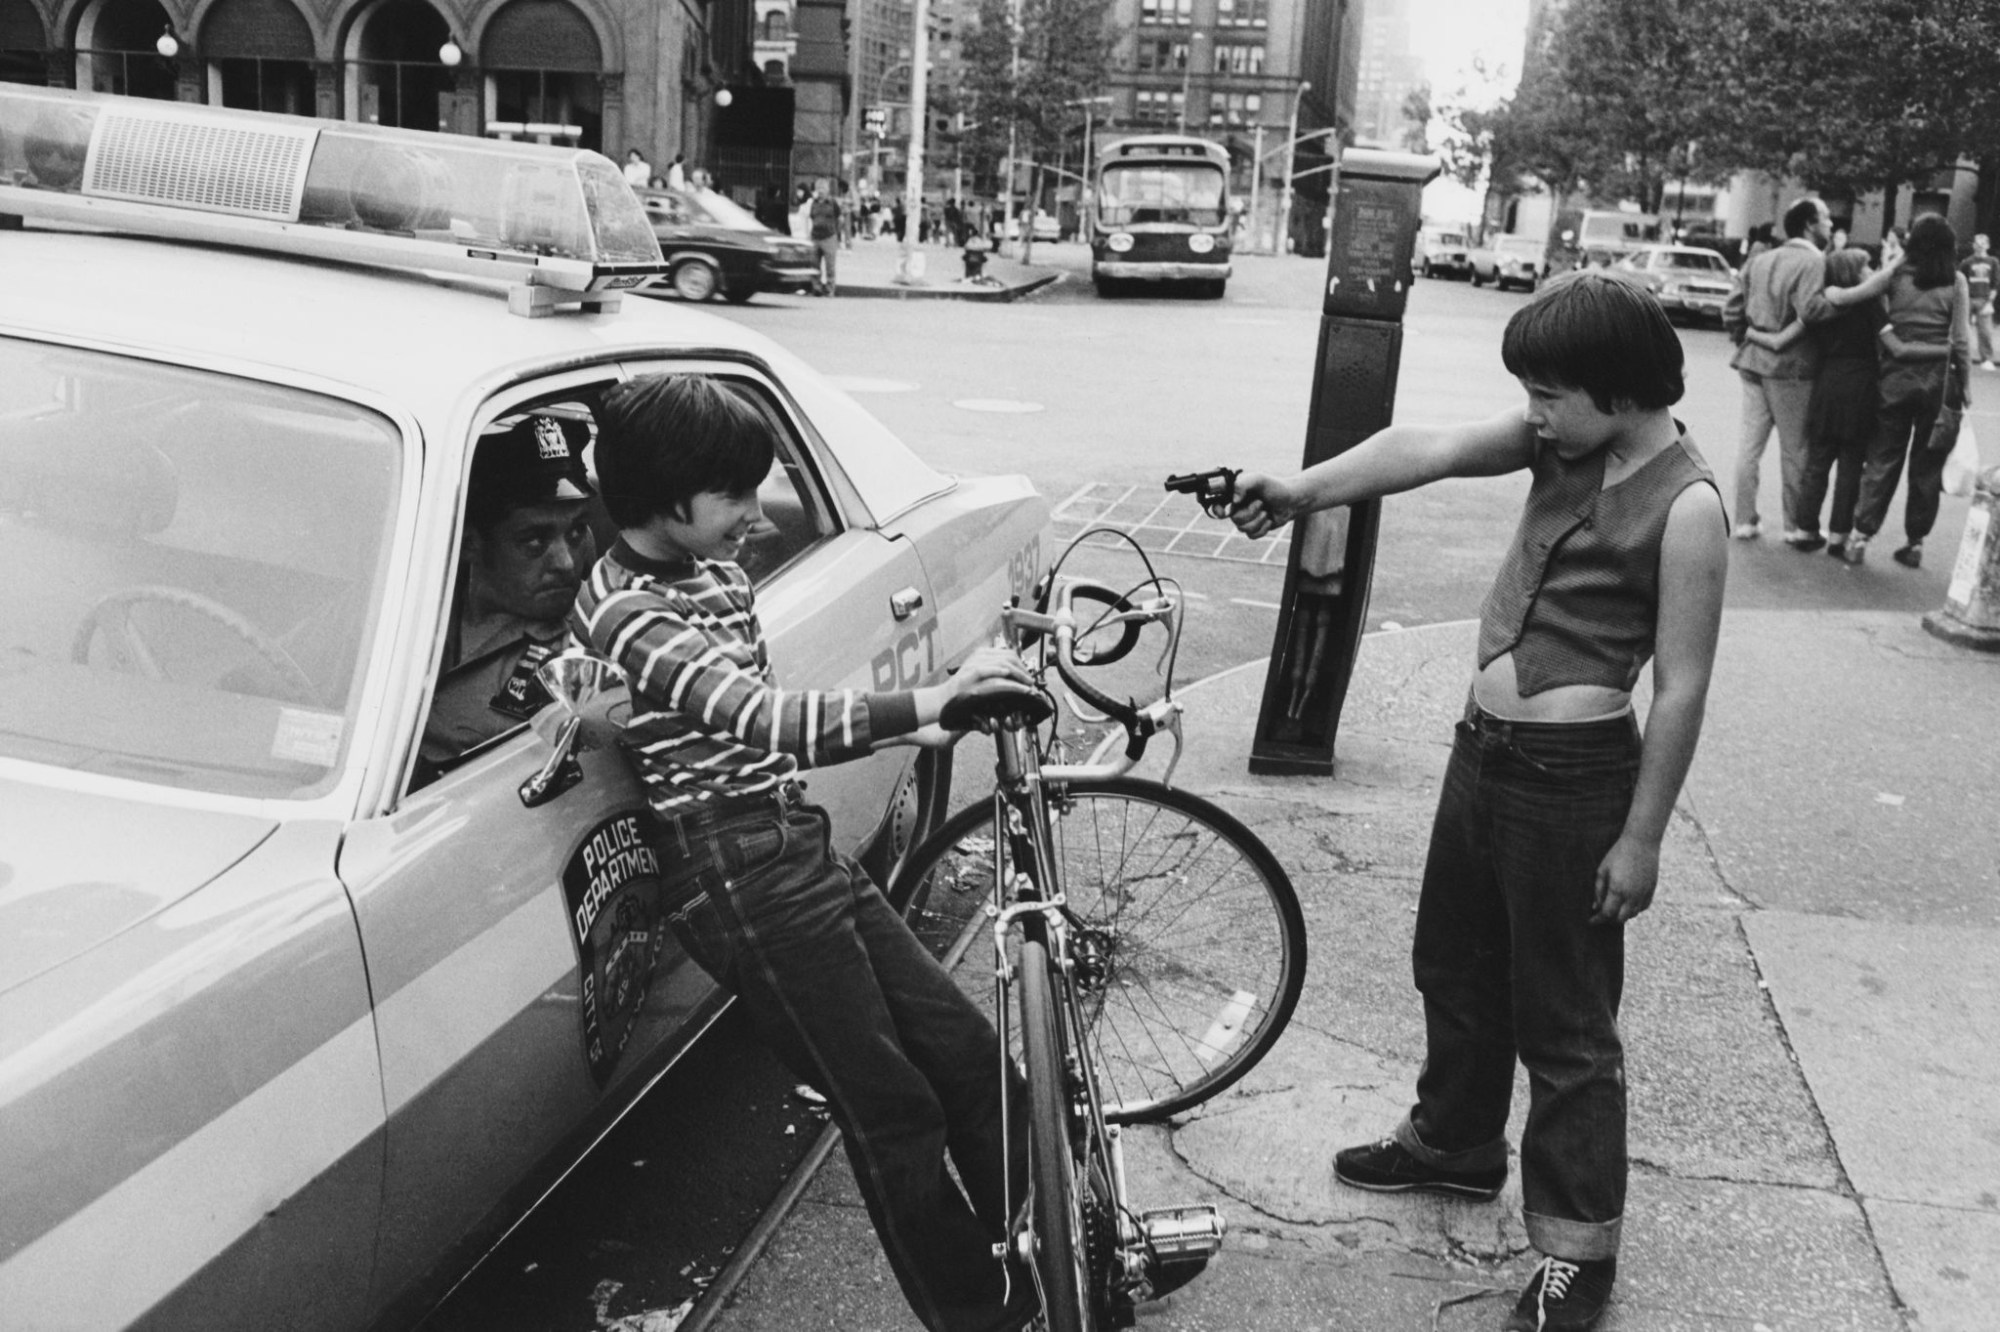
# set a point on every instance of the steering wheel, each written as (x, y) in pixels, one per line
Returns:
(112, 616)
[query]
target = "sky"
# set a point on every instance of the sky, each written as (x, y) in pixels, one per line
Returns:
(1449, 35)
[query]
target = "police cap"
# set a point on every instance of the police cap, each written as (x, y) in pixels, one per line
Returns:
(534, 459)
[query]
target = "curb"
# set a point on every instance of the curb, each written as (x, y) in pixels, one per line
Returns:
(991, 295)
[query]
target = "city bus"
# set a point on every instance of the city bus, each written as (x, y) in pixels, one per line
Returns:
(1160, 213)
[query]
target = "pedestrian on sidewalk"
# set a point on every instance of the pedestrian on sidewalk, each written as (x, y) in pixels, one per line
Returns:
(831, 976)
(638, 171)
(1926, 347)
(1840, 418)
(1982, 274)
(1773, 289)
(1548, 828)
(677, 172)
(823, 225)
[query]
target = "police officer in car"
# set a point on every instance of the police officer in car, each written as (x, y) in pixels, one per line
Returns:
(527, 545)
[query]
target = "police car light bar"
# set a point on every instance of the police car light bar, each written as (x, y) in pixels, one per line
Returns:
(556, 224)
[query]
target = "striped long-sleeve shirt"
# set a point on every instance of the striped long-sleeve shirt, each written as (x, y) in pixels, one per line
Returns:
(708, 721)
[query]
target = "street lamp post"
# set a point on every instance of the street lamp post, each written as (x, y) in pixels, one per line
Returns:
(1284, 228)
(910, 264)
(1187, 72)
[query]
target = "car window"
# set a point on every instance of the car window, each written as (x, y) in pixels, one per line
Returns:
(1699, 261)
(466, 715)
(195, 563)
(1520, 245)
(723, 211)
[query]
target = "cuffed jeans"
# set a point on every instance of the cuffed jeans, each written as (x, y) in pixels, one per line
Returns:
(1509, 965)
(850, 1000)
(1900, 432)
(1766, 403)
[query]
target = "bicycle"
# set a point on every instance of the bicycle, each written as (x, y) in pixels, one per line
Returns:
(1154, 947)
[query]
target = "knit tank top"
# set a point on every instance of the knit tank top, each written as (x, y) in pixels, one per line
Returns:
(1577, 599)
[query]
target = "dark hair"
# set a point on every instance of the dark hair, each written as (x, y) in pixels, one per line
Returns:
(1602, 332)
(1800, 216)
(663, 439)
(1846, 268)
(1932, 252)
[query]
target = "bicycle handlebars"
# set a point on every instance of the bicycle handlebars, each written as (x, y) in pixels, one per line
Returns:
(1141, 722)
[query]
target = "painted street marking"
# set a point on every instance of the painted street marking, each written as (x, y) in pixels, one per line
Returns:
(1259, 605)
(1162, 523)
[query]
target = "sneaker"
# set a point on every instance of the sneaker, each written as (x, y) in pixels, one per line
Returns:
(1388, 1167)
(1748, 531)
(1857, 547)
(1910, 556)
(1561, 1295)
(1805, 542)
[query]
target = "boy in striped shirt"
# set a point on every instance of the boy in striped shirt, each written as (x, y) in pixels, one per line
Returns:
(829, 973)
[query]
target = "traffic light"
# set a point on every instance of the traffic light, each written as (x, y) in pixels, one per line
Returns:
(875, 120)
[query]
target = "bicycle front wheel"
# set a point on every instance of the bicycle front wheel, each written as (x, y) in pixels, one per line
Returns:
(1055, 1204)
(1190, 946)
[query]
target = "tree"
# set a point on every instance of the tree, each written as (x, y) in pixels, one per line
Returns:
(1029, 65)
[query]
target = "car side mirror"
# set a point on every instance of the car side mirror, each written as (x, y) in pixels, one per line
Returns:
(573, 679)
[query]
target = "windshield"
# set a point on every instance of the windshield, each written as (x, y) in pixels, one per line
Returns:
(1523, 245)
(194, 563)
(1137, 193)
(1699, 261)
(724, 211)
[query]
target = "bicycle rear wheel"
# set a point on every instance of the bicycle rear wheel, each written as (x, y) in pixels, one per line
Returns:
(1190, 944)
(1055, 1202)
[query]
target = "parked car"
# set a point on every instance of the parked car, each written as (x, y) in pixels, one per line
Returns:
(1690, 282)
(715, 247)
(1046, 227)
(1440, 251)
(1510, 261)
(294, 1027)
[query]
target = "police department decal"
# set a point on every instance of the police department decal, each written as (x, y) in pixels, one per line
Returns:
(611, 886)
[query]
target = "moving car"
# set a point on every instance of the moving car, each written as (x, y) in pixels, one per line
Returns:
(293, 1027)
(1045, 225)
(1442, 251)
(1692, 283)
(716, 247)
(1509, 261)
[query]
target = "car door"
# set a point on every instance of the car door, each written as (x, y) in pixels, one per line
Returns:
(520, 982)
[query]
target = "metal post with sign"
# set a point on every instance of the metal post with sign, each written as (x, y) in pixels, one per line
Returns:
(1378, 206)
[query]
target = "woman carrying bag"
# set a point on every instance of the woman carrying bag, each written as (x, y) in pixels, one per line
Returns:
(1925, 350)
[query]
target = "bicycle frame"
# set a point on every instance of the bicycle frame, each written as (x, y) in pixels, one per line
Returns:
(1033, 904)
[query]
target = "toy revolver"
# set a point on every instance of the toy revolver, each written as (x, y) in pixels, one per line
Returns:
(1214, 490)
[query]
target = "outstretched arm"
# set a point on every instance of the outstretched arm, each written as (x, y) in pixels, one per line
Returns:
(1694, 564)
(1386, 463)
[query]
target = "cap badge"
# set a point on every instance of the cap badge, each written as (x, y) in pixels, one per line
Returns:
(549, 439)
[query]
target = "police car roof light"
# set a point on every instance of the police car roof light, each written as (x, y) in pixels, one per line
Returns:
(556, 224)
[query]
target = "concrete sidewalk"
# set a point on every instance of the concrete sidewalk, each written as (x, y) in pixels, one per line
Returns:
(1812, 1016)
(868, 269)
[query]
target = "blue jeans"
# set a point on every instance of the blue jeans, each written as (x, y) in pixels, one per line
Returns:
(836, 984)
(1509, 965)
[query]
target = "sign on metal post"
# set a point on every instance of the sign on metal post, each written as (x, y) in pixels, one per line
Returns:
(1378, 206)
(875, 120)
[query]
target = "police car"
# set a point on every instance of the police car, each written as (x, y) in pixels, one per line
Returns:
(294, 1022)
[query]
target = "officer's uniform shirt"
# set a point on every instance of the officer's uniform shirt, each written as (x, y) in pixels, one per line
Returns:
(488, 685)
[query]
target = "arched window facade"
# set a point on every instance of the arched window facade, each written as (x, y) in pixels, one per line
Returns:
(394, 76)
(776, 26)
(543, 66)
(115, 49)
(259, 55)
(22, 43)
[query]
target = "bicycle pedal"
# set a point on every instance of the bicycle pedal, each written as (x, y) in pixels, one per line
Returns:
(1183, 1234)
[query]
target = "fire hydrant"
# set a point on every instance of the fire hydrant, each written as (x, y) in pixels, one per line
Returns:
(1970, 615)
(976, 247)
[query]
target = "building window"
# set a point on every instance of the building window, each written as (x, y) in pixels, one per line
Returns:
(1242, 13)
(1157, 106)
(774, 26)
(1167, 11)
(1234, 108)
(1239, 58)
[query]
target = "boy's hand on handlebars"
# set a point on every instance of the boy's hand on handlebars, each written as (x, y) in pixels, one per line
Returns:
(1263, 504)
(989, 663)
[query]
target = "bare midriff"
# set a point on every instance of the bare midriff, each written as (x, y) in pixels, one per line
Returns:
(1496, 691)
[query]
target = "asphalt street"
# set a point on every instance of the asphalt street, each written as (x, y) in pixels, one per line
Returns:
(1097, 401)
